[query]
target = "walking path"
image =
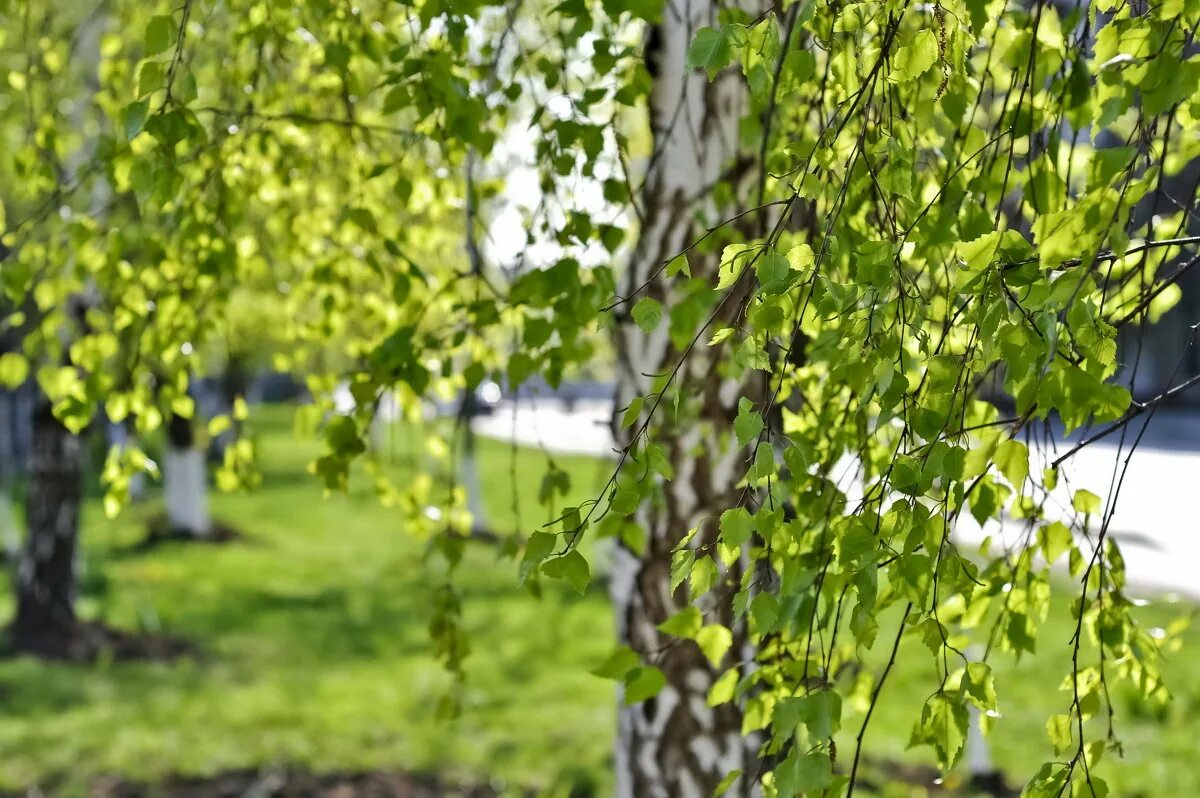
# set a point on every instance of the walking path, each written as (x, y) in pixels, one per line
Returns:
(1156, 521)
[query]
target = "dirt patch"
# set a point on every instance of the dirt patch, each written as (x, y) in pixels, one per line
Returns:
(160, 532)
(291, 784)
(88, 641)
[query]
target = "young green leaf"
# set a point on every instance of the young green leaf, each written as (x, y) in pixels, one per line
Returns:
(618, 664)
(647, 313)
(160, 31)
(913, 59)
(749, 423)
(711, 50)
(643, 683)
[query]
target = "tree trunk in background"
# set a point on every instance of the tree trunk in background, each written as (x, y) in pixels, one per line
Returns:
(675, 744)
(12, 464)
(185, 482)
(45, 622)
(235, 384)
(45, 617)
(468, 409)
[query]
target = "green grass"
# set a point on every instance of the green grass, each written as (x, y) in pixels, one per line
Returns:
(314, 654)
(314, 647)
(1158, 741)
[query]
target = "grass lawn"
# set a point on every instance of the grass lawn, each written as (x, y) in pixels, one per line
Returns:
(313, 654)
(314, 647)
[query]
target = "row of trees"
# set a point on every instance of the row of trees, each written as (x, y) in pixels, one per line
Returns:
(852, 224)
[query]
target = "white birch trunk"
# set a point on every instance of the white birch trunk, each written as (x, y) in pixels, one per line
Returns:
(979, 759)
(675, 745)
(185, 491)
(185, 481)
(469, 478)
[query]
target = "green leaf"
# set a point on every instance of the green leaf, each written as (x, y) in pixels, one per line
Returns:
(823, 713)
(572, 567)
(819, 711)
(1086, 502)
(14, 369)
(763, 467)
(679, 265)
(1012, 458)
(703, 576)
(647, 313)
(980, 685)
(660, 461)
(133, 118)
(625, 501)
(723, 787)
(736, 526)
(520, 367)
(764, 610)
(748, 424)
(913, 59)
(720, 336)
(711, 50)
(714, 640)
(977, 256)
(774, 272)
(873, 263)
(685, 623)
(151, 77)
(801, 257)
(618, 664)
(342, 436)
(803, 774)
(943, 726)
(1049, 782)
(633, 412)
(642, 683)
(160, 30)
(724, 688)
(183, 406)
(1058, 729)
(537, 549)
(786, 717)
(1055, 538)
(855, 542)
(733, 263)
(681, 567)
(979, 458)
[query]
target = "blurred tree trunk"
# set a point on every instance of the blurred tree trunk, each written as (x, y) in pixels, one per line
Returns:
(468, 409)
(234, 385)
(675, 744)
(185, 481)
(45, 621)
(45, 617)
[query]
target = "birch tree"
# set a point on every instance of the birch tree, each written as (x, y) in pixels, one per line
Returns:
(677, 744)
(859, 266)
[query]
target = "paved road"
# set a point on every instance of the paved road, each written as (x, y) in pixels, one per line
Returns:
(1157, 517)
